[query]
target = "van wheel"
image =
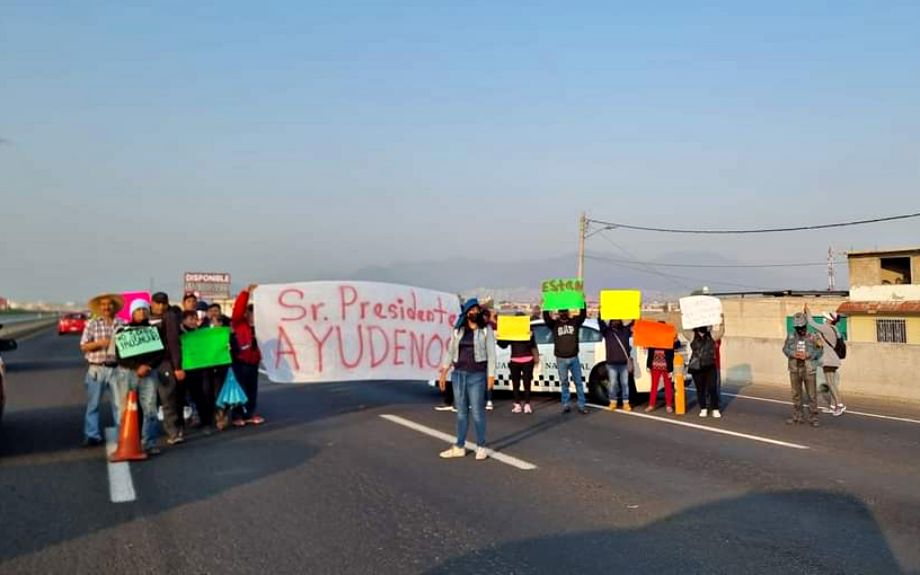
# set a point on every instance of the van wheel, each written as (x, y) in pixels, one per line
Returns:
(598, 384)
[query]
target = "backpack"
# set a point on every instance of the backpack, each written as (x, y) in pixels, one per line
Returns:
(840, 347)
(704, 356)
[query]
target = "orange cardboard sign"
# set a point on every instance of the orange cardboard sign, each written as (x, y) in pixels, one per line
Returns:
(652, 334)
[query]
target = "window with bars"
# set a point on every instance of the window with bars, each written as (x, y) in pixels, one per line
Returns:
(891, 330)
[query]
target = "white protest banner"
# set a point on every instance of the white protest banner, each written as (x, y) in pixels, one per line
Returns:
(344, 331)
(700, 310)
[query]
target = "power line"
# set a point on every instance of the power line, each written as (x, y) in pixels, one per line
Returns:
(616, 225)
(716, 266)
(696, 281)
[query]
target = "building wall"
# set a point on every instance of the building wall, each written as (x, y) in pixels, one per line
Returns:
(862, 328)
(763, 317)
(879, 369)
(867, 270)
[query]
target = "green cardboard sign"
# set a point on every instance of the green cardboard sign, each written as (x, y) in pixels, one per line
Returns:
(134, 341)
(842, 327)
(206, 347)
(559, 294)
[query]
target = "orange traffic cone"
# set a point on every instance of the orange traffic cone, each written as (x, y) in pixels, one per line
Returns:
(129, 437)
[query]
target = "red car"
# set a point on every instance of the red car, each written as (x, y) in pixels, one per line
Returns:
(72, 323)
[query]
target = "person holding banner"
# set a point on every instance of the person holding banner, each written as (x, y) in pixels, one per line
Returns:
(246, 357)
(95, 343)
(566, 342)
(136, 372)
(660, 364)
(524, 356)
(471, 355)
(620, 362)
(702, 366)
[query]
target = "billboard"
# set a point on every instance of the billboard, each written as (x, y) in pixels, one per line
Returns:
(208, 286)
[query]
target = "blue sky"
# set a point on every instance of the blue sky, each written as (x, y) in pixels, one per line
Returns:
(286, 141)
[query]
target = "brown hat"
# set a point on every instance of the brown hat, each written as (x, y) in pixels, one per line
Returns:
(95, 303)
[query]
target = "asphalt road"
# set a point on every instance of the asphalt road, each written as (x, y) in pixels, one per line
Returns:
(327, 485)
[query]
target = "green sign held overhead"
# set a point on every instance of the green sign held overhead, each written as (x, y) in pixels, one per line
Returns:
(559, 294)
(206, 347)
(134, 341)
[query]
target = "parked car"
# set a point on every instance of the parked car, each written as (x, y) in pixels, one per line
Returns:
(592, 354)
(72, 323)
(5, 345)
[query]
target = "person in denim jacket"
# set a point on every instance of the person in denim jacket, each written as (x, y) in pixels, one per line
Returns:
(804, 352)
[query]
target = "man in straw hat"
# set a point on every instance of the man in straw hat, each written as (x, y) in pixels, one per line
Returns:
(99, 350)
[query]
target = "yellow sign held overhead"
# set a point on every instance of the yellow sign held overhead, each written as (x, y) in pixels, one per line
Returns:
(513, 328)
(624, 304)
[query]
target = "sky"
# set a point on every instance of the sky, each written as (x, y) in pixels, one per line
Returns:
(292, 141)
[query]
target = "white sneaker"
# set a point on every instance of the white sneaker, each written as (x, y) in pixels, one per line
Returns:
(704, 413)
(841, 409)
(453, 452)
(481, 454)
(717, 414)
(517, 408)
(489, 405)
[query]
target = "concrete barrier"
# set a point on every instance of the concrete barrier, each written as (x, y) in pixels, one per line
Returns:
(875, 369)
(25, 328)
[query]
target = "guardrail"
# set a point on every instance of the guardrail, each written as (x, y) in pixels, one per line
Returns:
(27, 326)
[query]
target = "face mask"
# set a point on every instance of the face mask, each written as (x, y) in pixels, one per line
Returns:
(801, 330)
(473, 317)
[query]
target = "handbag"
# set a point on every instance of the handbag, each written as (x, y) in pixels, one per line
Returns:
(630, 365)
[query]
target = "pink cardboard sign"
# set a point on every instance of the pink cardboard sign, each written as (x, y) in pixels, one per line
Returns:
(129, 297)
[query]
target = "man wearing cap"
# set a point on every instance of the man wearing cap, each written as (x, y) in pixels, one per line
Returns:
(169, 321)
(137, 372)
(804, 351)
(830, 361)
(97, 346)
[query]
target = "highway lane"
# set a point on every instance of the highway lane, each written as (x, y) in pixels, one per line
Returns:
(328, 485)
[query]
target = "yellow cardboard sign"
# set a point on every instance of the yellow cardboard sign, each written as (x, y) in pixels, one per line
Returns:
(621, 304)
(513, 328)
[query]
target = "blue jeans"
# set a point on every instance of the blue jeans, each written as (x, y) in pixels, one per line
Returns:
(469, 395)
(618, 377)
(98, 377)
(571, 365)
(147, 398)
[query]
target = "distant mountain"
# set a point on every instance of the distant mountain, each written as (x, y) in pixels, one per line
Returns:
(521, 279)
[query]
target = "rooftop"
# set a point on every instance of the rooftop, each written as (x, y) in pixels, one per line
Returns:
(883, 252)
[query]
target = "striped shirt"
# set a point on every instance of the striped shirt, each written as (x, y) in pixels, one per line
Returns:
(97, 329)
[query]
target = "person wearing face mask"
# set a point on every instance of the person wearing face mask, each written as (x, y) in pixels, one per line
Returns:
(471, 355)
(803, 351)
(566, 342)
(702, 366)
(618, 340)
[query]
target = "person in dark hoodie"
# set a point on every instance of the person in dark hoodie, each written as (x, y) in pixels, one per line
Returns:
(618, 342)
(566, 328)
(524, 356)
(168, 320)
(703, 368)
(138, 373)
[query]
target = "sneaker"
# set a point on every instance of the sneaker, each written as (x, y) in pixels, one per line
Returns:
(567, 409)
(793, 421)
(670, 409)
(517, 408)
(814, 423)
(489, 405)
(626, 406)
(650, 409)
(443, 407)
(717, 414)
(583, 410)
(527, 408)
(481, 454)
(841, 409)
(175, 440)
(453, 452)
(153, 451)
(92, 442)
(704, 413)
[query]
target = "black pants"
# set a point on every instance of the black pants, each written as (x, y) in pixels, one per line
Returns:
(706, 394)
(170, 391)
(248, 376)
(202, 388)
(521, 371)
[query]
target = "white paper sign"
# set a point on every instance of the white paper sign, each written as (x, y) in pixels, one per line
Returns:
(344, 331)
(699, 311)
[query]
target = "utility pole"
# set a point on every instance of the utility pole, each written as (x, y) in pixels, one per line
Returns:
(831, 274)
(582, 230)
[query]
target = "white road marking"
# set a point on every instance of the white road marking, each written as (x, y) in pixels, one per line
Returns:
(497, 456)
(121, 486)
(707, 428)
(848, 411)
